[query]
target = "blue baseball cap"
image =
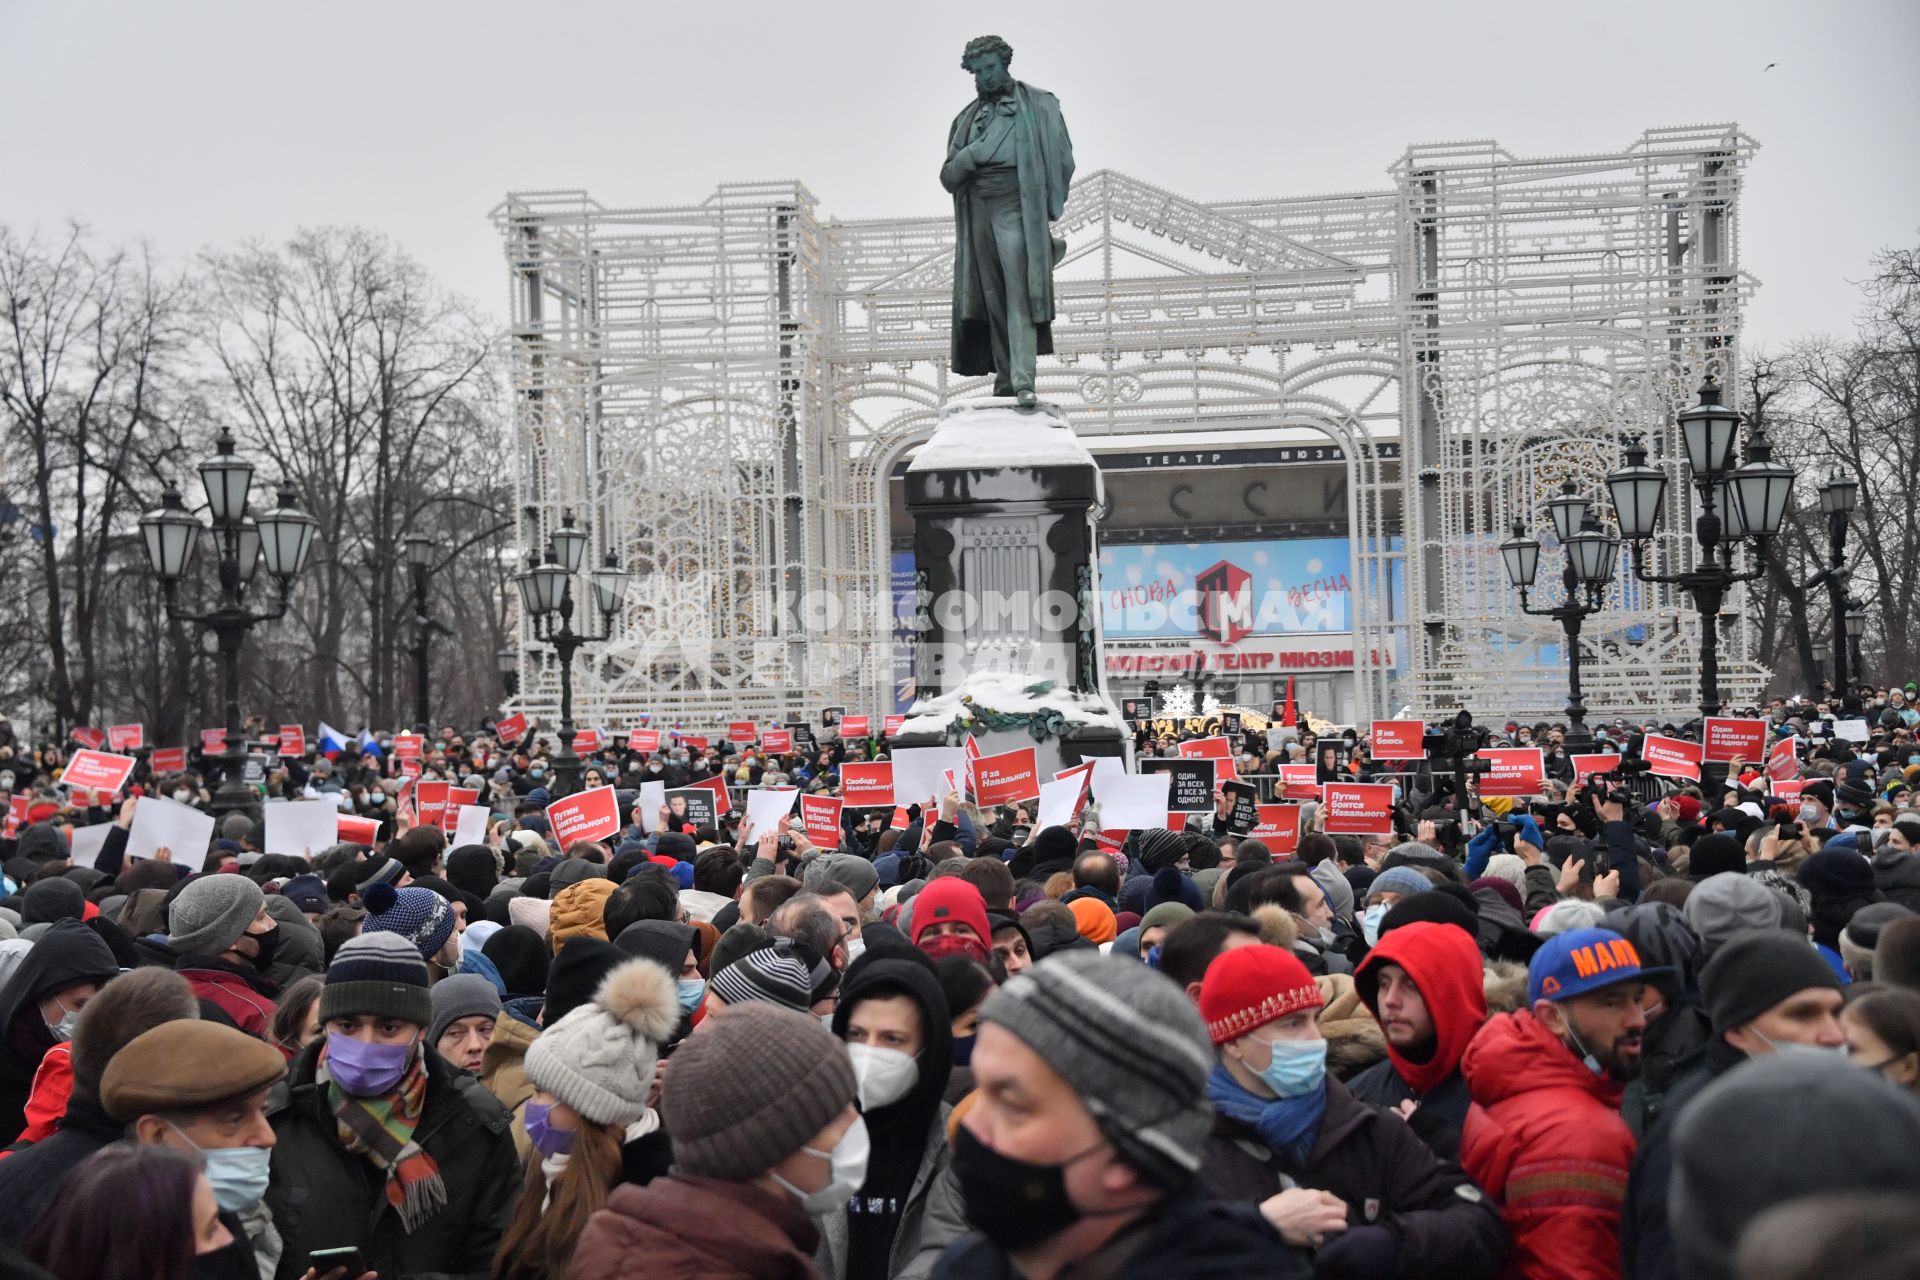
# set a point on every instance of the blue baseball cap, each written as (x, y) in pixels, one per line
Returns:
(1581, 961)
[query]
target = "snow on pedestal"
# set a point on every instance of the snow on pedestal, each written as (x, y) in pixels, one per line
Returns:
(1008, 694)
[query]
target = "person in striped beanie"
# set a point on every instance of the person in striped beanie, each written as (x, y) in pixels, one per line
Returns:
(371, 1091)
(1085, 1132)
(772, 975)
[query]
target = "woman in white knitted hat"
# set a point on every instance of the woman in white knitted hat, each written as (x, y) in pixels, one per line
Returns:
(592, 1072)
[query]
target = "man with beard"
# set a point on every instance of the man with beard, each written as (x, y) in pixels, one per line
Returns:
(1422, 983)
(1546, 1138)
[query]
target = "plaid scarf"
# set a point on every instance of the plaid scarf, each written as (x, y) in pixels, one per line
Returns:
(381, 1129)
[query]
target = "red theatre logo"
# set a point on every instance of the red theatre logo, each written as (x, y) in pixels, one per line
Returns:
(1226, 601)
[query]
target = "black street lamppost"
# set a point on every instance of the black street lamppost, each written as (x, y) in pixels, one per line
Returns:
(279, 539)
(508, 663)
(1855, 624)
(419, 551)
(1736, 503)
(1838, 498)
(1591, 555)
(546, 592)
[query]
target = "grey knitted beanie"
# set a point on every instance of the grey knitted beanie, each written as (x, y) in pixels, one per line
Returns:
(461, 995)
(1129, 1043)
(599, 1059)
(725, 1121)
(211, 913)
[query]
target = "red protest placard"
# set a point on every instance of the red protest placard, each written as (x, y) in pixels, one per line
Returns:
(867, 784)
(1516, 771)
(587, 815)
(854, 726)
(1358, 809)
(1398, 740)
(91, 739)
(431, 797)
(644, 740)
(1007, 778)
(1786, 788)
(126, 737)
(169, 760)
(1600, 762)
(1671, 757)
(1176, 821)
(692, 743)
(1278, 827)
(742, 732)
(16, 817)
(97, 771)
(777, 742)
(355, 830)
(293, 740)
(891, 725)
(586, 741)
(821, 817)
(1782, 761)
(1084, 772)
(407, 746)
(722, 803)
(1216, 749)
(900, 819)
(409, 768)
(457, 796)
(1111, 841)
(511, 729)
(1728, 739)
(213, 741)
(1302, 781)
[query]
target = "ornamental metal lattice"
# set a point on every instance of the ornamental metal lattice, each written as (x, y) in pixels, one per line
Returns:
(721, 391)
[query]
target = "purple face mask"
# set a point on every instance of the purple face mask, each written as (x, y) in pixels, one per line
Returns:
(546, 1139)
(362, 1069)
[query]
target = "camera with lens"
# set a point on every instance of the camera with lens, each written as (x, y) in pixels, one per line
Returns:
(1463, 737)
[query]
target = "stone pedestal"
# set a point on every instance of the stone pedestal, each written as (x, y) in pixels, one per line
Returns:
(1004, 501)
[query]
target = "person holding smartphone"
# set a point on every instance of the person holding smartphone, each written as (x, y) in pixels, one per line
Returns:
(380, 1145)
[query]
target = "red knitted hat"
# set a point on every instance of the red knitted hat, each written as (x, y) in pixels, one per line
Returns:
(1688, 806)
(951, 899)
(42, 811)
(1249, 987)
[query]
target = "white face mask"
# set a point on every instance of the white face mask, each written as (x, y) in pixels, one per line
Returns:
(883, 1076)
(848, 1161)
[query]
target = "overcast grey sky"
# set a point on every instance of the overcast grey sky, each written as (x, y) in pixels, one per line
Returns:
(193, 123)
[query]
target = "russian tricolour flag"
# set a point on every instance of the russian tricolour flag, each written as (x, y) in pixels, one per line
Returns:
(332, 741)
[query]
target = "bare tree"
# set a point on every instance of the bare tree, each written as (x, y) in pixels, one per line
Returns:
(1851, 404)
(372, 393)
(93, 345)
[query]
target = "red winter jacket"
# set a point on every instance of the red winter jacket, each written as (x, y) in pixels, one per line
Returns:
(243, 998)
(1545, 1138)
(52, 1087)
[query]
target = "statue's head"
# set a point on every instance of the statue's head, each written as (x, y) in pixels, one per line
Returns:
(988, 58)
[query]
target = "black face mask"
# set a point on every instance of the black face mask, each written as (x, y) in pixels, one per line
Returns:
(1016, 1205)
(267, 943)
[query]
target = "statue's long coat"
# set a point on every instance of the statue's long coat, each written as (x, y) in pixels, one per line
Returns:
(1043, 154)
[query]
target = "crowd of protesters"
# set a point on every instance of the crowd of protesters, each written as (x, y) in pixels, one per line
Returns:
(1666, 1030)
